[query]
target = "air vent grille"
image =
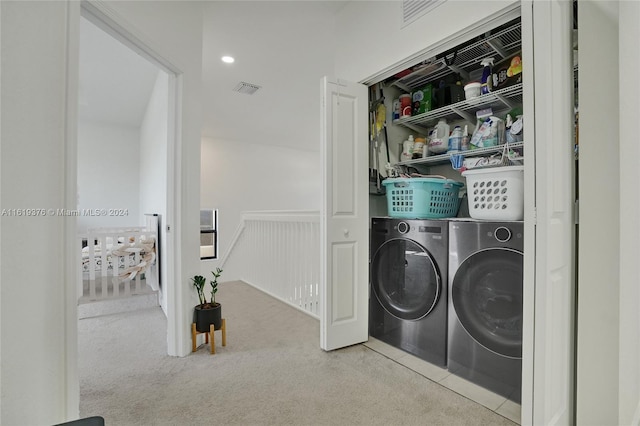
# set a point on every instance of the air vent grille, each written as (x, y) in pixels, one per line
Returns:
(413, 9)
(246, 88)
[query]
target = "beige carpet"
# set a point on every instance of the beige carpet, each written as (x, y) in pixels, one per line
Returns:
(272, 372)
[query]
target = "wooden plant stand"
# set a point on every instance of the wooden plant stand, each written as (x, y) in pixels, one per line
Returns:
(208, 335)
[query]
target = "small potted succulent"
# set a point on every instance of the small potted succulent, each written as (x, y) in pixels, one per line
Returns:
(207, 313)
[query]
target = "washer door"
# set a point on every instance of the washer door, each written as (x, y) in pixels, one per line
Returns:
(405, 279)
(487, 296)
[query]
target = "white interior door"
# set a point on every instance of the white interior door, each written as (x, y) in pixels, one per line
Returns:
(344, 230)
(548, 389)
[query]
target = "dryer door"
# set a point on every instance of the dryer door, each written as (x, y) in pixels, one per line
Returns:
(486, 293)
(405, 279)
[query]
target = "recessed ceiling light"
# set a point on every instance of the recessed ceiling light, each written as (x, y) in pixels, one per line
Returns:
(228, 59)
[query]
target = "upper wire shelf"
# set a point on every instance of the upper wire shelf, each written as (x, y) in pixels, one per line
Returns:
(444, 158)
(496, 100)
(466, 59)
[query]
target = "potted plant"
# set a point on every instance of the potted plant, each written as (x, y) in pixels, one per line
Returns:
(207, 313)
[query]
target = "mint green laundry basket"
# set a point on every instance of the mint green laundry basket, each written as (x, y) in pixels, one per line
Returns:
(422, 198)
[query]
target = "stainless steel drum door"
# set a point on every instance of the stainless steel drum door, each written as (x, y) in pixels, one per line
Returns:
(405, 279)
(486, 294)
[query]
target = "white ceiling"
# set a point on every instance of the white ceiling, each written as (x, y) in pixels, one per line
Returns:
(283, 46)
(115, 82)
(286, 48)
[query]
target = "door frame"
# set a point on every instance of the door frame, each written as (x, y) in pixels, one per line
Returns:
(534, 338)
(105, 18)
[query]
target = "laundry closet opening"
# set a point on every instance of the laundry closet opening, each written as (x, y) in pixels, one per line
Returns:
(446, 197)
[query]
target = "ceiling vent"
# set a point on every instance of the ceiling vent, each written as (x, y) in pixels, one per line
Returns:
(414, 9)
(246, 88)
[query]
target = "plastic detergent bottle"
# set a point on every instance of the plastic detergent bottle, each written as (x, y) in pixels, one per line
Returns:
(485, 82)
(407, 149)
(455, 140)
(464, 143)
(440, 141)
(418, 147)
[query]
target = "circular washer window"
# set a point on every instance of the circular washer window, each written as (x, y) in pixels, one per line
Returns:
(487, 296)
(405, 279)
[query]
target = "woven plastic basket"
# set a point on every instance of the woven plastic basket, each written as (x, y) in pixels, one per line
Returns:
(422, 198)
(496, 193)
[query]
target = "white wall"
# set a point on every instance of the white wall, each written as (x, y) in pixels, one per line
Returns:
(33, 389)
(239, 177)
(268, 158)
(372, 38)
(38, 169)
(598, 268)
(608, 370)
(629, 354)
(153, 164)
(108, 176)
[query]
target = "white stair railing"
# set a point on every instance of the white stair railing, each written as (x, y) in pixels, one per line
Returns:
(278, 252)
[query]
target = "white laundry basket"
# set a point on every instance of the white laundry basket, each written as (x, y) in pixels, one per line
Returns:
(496, 193)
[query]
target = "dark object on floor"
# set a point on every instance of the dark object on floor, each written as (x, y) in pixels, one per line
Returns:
(88, 421)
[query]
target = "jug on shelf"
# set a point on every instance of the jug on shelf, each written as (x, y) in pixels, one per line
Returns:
(418, 147)
(407, 149)
(439, 142)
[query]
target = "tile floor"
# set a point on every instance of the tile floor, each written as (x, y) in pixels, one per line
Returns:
(492, 401)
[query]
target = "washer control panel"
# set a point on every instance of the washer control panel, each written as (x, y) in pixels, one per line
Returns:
(403, 227)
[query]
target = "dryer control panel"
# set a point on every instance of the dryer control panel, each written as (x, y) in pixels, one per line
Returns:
(502, 234)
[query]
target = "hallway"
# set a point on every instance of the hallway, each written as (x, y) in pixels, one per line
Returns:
(272, 371)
